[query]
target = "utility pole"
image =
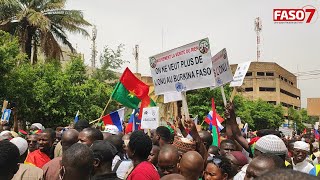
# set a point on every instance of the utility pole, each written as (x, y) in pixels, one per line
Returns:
(93, 49)
(258, 29)
(136, 57)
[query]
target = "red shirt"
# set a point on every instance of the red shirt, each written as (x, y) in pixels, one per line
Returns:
(37, 158)
(144, 171)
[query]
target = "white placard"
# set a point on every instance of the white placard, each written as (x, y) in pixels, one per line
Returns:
(316, 126)
(172, 97)
(238, 119)
(221, 68)
(150, 118)
(240, 74)
(184, 68)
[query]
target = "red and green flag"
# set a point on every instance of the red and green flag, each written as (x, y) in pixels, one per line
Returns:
(130, 91)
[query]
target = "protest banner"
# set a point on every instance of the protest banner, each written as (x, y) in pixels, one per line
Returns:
(172, 97)
(150, 118)
(184, 68)
(240, 74)
(221, 68)
(222, 71)
(6, 115)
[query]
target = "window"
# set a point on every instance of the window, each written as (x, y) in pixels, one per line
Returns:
(286, 104)
(260, 73)
(269, 74)
(285, 80)
(291, 83)
(289, 94)
(249, 74)
(267, 89)
(248, 89)
(272, 102)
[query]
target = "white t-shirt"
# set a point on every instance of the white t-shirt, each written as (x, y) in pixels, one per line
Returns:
(124, 166)
(242, 173)
(304, 167)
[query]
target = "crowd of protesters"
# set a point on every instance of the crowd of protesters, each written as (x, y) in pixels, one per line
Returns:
(177, 151)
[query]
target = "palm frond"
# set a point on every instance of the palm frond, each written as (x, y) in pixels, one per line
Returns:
(37, 19)
(8, 9)
(50, 46)
(61, 36)
(53, 4)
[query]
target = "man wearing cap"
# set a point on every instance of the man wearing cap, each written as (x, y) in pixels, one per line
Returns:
(271, 144)
(299, 160)
(103, 152)
(25, 171)
(110, 130)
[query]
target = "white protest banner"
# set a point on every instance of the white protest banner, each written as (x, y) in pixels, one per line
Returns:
(240, 73)
(184, 68)
(150, 118)
(221, 68)
(172, 97)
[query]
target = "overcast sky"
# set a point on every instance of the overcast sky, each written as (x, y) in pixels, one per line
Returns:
(161, 25)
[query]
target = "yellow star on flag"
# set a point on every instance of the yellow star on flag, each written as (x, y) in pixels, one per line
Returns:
(131, 94)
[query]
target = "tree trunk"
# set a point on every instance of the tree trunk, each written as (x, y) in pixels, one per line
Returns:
(29, 44)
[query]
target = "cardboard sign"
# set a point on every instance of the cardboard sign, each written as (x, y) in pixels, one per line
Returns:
(240, 74)
(221, 68)
(182, 69)
(150, 118)
(4, 106)
(172, 97)
(6, 115)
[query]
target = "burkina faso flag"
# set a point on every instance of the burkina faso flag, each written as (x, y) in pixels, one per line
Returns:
(130, 91)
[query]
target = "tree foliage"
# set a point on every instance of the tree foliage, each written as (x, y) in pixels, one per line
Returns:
(41, 23)
(110, 61)
(46, 92)
(52, 96)
(258, 114)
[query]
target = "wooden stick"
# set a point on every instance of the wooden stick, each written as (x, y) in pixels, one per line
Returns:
(105, 108)
(185, 106)
(94, 121)
(110, 99)
(223, 96)
(233, 94)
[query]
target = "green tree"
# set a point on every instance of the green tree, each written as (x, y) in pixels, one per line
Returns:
(258, 114)
(9, 57)
(295, 119)
(41, 23)
(48, 94)
(110, 60)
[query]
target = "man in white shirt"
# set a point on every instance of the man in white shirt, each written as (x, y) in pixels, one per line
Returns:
(299, 160)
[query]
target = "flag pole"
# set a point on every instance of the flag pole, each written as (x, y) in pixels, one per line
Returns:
(185, 104)
(223, 96)
(105, 108)
(233, 94)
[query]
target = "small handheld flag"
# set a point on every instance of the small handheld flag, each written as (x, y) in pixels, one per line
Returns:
(76, 118)
(114, 118)
(134, 122)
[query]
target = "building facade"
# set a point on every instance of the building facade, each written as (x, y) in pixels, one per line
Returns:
(270, 82)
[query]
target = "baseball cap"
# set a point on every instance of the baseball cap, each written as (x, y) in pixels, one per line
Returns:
(103, 150)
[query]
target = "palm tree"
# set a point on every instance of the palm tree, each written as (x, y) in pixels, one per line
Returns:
(41, 23)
